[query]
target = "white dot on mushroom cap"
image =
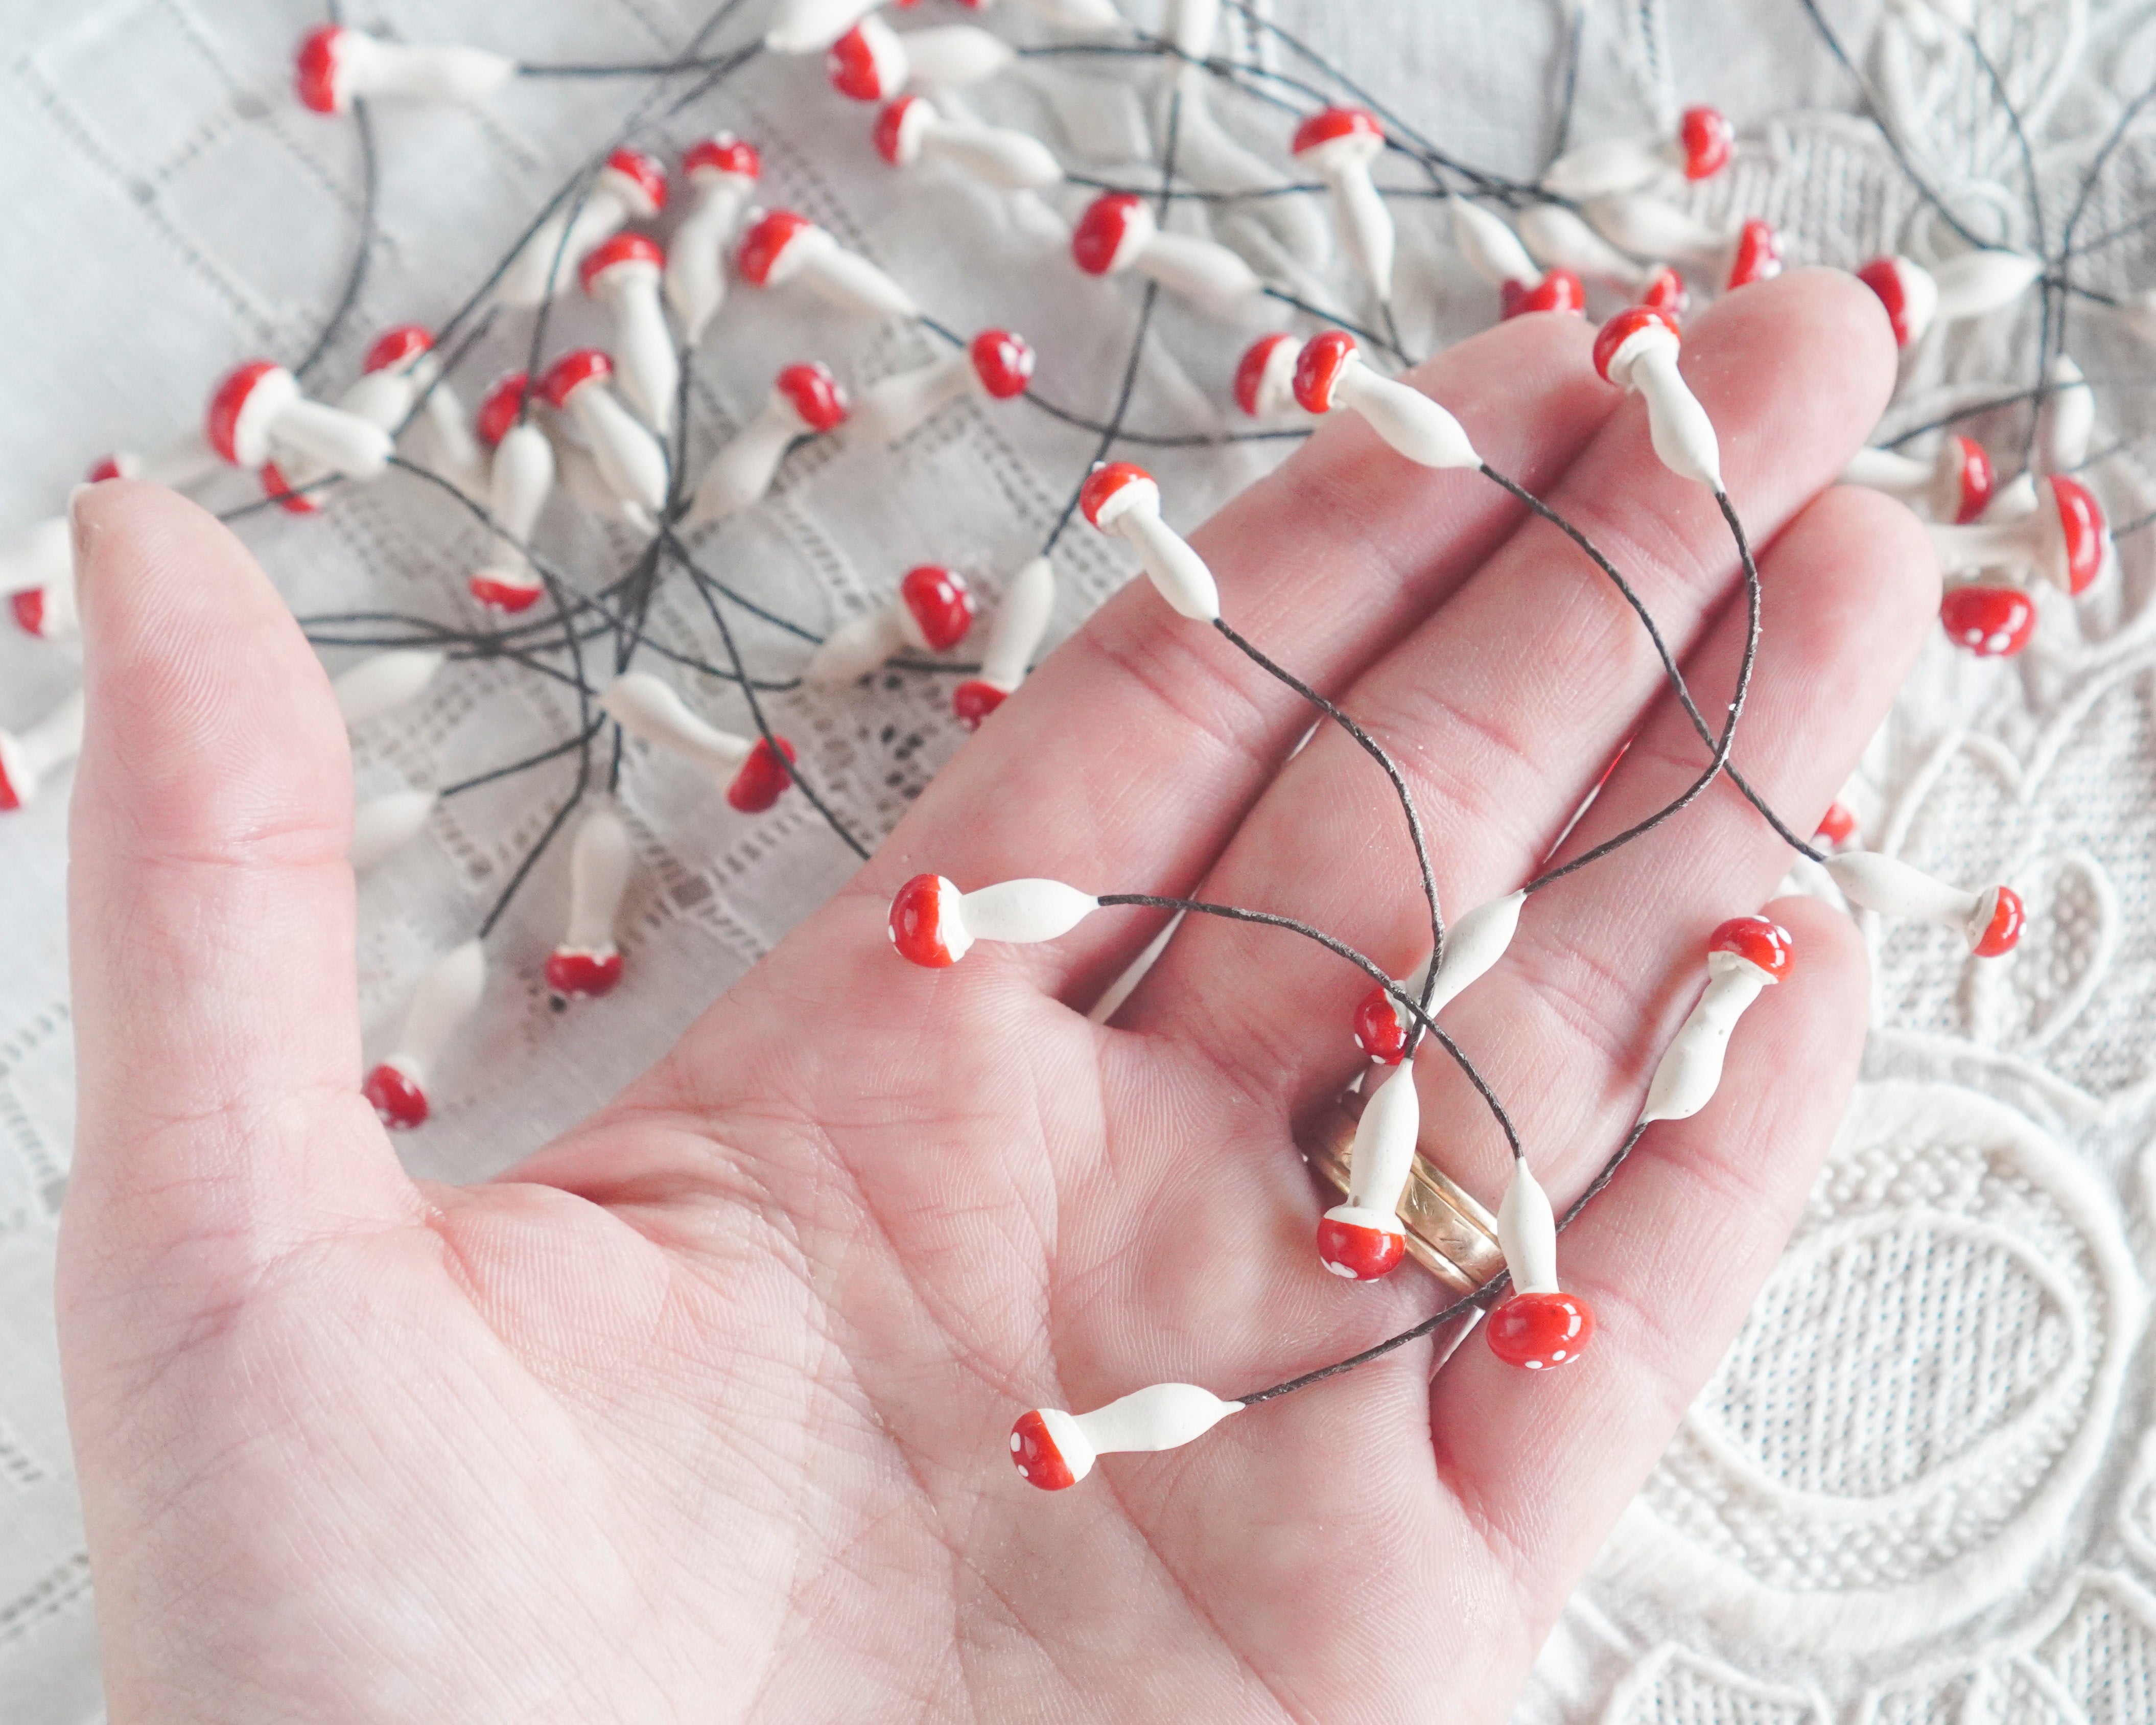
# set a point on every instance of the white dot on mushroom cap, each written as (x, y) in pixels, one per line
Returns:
(1534, 1365)
(1017, 1443)
(1022, 1473)
(1339, 1269)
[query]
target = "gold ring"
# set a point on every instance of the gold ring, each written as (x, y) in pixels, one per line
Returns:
(1449, 1233)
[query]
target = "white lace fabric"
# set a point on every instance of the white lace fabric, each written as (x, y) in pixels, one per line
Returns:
(1922, 1486)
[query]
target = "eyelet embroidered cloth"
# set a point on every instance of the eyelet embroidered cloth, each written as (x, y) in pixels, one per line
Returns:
(1921, 1486)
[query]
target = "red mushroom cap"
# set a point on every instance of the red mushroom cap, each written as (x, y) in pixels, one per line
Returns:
(2003, 928)
(9, 797)
(1621, 328)
(917, 922)
(1992, 622)
(399, 1101)
(495, 594)
(1034, 1453)
(1101, 231)
(1377, 1029)
(972, 701)
(814, 393)
(1758, 256)
(1003, 362)
(855, 69)
(571, 372)
(722, 152)
(641, 177)
(499, 408)
(225, 407)
(1358, 1253)
(315, 70)
(1757, 939)
(761, 777)
(1836, 825)
(1327, 124)
(397, 346)
(622, 249)
(1558, 291)
(1883, 276)
(1706, 137)
(2080, 520)
(1539, 1331)
(1665, 291)
(766, 241)
(1105, 482)
(106, 467)
(1250, 370)
(890, 130)
(279, 490)
(940, 604)
(1977, 479)
(570, 972)
(28, 605)
(1318, 367)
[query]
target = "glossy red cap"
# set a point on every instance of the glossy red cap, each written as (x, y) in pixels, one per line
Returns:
(646, 180)
(1992, 622)
(1558, 291)
(8, 796)
(1621, 328)
(225, 406)
(1539, 1331)
(815, 394)
(279, 489)
(1250, 370)
(1836, 825)
(1706, 137)
(766, 240)
(509, 597)
(1003, 362)
(1327, 124)
(315, 70)
(1758, 256)
(401, 1104)
(1104, 482)
(1318, 367)
(1377, 1031)
(499, 407)
(1754, 938)
(397, 346)
(850, 63)
(941, 605)
(28, 603)
(570, 974)
(722, 152)
(763, 776)
(2004, 930)
(972, 701)
(1665, 291)
(917, 922)
(2080, 519)
(1977, 480)
(1883, 276)
(1358, 1253)
(1099, 234)
(571, 372)
(1034, 1456)
(621, 248)
(106, 467)
(890, 125)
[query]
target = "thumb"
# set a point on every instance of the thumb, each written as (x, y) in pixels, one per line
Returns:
(211, 909)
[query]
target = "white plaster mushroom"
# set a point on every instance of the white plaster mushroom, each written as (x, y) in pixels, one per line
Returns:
(1117, 232)
(1917, 299)
(1338, 145)
(783, 246)
(2066, 418)
(1701, 149)
(1526, 1233)
(27, 755)
(1650, 226)
(1330, 374)
(933, 924)
(722, 172)
(624, 272)
(1954, 485)
(1538, 1325)
(1362, 1239)
(1473, 945)
(383, 825)
(631, 186)
(408, 353)
(336, 66)
(911, 127)
(257, 415)
(1558, 239)
(1020, 621)
(1053, 1449)
(932, 611)
(1744, 956)
(588, 962)
(37, 573)
(445, 997)
(185, 461)
(2063, 543)
(1265, 376)
(1637, 350)
(995, 366)
(1123, 499)
(646, 708)
(630, 459)
(384, 681)
(804, 399)
(1491, 249)
(518, 483)
(872, 62)
(1990, 922)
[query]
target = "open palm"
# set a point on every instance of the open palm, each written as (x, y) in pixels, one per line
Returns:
(700, 1413)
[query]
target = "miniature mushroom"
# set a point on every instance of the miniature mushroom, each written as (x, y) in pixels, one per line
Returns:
(1955, 484)
(1330, 373)
(1265, 376)
(408, 351)
(782, 246)
(1020, 622)
(1970, 285)
(1744, 956)
(1054, 1450)
(631, 460)
(1637, 350)
(1836, 826)
(185, 461)
(27, 755)
(37, 573)
(1540, 1325)
(382, 682)
(1338, 145)
(1123, 499)
(1555, 291)
(872, 62)
(996, 365)
(2064, 544)
(518, 482)
(257, 414)
(1991, 622)
(723, 172)
(588, 962)
(1472, 948)
(932, 611)
(1754, 255)
(911, 127)
(804, 399)
(631, 186)
(336, 66)
(445, 997)
(1701, 150)
(1648, 225)
(1665, 291)
(1362, 1239)
(1117, 232)
(934, 924)
(756, 772)
(624, 272)
(383, 825)
(1990, 922)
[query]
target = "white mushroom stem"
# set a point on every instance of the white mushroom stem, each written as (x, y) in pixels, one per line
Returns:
(368, 66)
(1690, 1067)
(2066, 418)
(1020, 621)
(1613, 165)
(949, 54)
(842, 278)
(1473, 945)
(742, 472)
(1683, 435)
(995, 154)
(696, 259)
(1201, 270)
(578, 475)
(631, 460)
(598, 877)
(889, 407)
(1176, 570)
(517, 484)
(447, 995)
(647, 708)
(1404, 416)
(456, 452)
(536, 274)
(2031, 540)
(806, 26)
(860, 644)
(642, 348)
(1526, 1233)
(330, 439)
(1023, 912)
(1937, 484)
(1893, 888)
(1492, 249)
(384, 825)
(1558, 239)
(186, 460)
(1652, 227)
(27, 755)
(384, 682)
(1366, 225)
(1161, 1416)
(1984, 281)
(1383, 1155)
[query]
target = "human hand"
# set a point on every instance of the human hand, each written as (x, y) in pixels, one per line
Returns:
(701, 1411)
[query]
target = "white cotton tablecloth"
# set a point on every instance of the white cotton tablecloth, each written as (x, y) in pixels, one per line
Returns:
(1919, 1489)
